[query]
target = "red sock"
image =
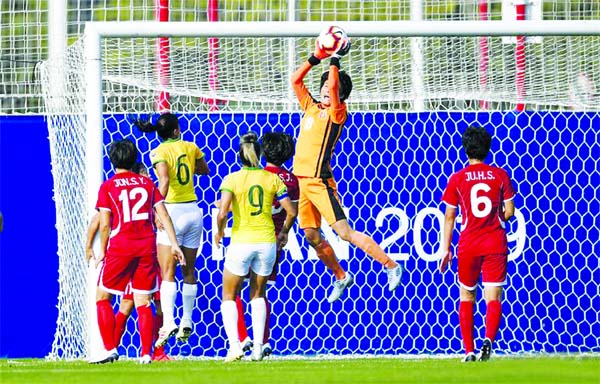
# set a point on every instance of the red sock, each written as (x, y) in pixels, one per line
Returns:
(267, 325)
(106, 323)
(158, 322)
(327, 255)
(493, 315)
(465, 315)
(120, 323)
(241, 324)
(145, 325)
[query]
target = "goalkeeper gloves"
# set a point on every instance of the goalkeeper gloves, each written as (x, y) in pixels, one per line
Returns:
(343, 51)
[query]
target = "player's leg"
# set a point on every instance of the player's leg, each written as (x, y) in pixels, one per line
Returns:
(125, 309)
(158, 354)
(190, 237)
(494, 278)
(144, 283)
(465, 318)
(309, 219)
(267, 348)
(168, 292)
(145, 324)
(188, 292)
(115, 275)
(245, 341)
(106, 319)
(371, 248)
(468, 274)
(237, 265)
(262, 267)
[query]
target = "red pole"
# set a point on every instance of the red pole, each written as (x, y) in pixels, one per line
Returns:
(163, 53)
(484, 55)
(520, 59)
(213, 52)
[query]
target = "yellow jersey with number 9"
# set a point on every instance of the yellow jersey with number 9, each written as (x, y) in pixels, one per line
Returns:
(180, 157)
(253, 191)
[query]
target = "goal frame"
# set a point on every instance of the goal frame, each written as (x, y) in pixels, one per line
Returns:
(96, 31)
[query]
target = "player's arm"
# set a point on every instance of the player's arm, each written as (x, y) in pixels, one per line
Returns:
(449, 218)
(291, 211)
(298, 82)
(201, 167)
(333, 80)
(509, 209)
(162, 172)
(165, 219)
(104, 231)
(91, 233)
(225, 204)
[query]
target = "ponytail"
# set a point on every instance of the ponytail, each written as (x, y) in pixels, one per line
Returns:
(165, 126)
(250, 150)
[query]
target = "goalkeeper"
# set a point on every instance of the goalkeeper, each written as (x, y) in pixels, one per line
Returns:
(320, 130)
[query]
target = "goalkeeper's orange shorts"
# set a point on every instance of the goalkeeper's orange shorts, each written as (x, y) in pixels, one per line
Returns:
(318, 198)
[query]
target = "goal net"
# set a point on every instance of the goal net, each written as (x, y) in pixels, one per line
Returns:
(414, 94)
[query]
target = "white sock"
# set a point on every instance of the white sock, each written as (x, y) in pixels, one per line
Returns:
(168, 293)
(258, 308)
(189, 299)
(230, 319)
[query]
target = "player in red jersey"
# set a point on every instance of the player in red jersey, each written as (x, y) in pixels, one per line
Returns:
(277, 148)
(127, 202)
(485, 195)
(126, 305)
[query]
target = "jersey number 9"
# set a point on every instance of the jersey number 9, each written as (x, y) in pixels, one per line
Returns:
(256, 199)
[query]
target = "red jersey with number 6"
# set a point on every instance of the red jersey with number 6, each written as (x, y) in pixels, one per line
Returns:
(131, 199)
(291, 182)
(479, 190)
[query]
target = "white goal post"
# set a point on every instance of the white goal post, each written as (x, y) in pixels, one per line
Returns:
(417, 86)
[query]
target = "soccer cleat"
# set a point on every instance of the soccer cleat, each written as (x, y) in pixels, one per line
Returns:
(339, 286)
(235, 353)
(185, 331)
(257, 353)
(394, 277)
(469, 358)
(486, 350)
(146, 359)
(160, 355)
(164, 333)
(108, 357)
(247, 344)
(267, 350)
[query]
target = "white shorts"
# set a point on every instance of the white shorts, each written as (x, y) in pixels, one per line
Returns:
(187, 220)
(240, 258)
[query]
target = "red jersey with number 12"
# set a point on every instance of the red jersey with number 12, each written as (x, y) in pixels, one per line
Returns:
(291, 182)
(480, 190)
(131, 199)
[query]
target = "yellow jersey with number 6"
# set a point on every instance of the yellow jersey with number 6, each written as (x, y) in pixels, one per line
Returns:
(180, 157)
(253, 192)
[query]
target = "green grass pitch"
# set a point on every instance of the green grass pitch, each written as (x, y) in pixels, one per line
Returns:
(531, 370)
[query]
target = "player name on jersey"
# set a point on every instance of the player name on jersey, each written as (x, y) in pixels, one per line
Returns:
(479, 176)
(129, 181)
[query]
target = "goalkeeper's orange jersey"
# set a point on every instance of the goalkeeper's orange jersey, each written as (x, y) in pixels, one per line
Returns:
(320, 130)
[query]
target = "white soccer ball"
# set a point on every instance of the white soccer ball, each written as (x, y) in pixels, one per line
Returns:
(331, 39)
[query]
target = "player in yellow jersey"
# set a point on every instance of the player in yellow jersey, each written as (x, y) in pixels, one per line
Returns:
(249, 193)
(320, 130)
(175, 162)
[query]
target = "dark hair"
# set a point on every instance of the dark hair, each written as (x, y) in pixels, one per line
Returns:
(165, 126)
(139, 167)
(123, 154)
(477, 142)
(277, 147)
(250, 149)
(345, 83)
